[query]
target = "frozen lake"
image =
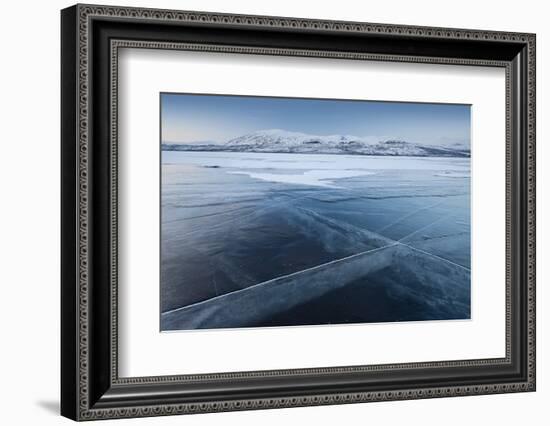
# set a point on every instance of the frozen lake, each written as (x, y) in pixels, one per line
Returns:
(256, 239)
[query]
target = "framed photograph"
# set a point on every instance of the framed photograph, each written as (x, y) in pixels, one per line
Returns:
(263, 212)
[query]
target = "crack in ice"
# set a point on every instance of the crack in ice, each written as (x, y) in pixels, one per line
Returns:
(409, 215)
(435, 256)
(282, 277)
(426, 226)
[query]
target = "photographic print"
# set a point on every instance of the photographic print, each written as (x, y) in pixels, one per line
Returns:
(291, 211)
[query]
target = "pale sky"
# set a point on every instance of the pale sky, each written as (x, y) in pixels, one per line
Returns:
(191, 118)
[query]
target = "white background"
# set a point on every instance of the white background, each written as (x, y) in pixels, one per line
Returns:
(146, 352)
(29, 229)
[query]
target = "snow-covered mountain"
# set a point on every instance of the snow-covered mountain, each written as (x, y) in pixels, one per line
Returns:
(281, 141)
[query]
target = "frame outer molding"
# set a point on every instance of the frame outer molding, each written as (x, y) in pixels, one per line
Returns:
(76, 402)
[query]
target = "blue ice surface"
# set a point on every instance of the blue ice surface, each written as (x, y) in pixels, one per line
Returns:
(251, 240)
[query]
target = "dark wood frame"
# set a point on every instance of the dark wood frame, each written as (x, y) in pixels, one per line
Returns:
(91, 37)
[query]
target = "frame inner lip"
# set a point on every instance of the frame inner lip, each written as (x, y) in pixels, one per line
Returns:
(115, 45)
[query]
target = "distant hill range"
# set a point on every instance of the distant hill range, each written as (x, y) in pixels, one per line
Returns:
(281, 141)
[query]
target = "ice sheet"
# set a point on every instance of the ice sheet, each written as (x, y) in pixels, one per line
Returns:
(316, 177)
(231, 221)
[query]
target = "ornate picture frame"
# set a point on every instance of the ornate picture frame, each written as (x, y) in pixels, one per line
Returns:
(91, 38)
